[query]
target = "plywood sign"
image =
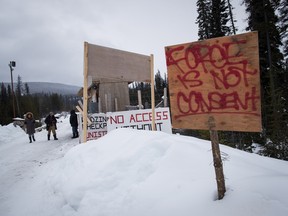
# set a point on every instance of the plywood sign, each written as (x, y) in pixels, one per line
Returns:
(216, 81)
(107, 64)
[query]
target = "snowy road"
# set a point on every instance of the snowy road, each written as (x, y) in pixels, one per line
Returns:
(21, 160)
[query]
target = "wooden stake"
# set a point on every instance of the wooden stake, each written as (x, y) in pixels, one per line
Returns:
(152, 91)
(99, 105)
(106, 103)
(217, 159)
(139, 99)
(85, 92)
(116, 104)
(81, 111)
(165, 97)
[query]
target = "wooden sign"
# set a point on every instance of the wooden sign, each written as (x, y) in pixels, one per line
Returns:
(216, 79)
(107, 64)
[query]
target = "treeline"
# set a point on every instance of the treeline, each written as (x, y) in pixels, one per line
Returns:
(40, 104)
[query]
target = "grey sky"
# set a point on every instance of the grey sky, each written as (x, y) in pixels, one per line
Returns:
(46, 38)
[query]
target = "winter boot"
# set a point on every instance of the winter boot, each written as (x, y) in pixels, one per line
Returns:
(77, 135)
(73, 136)
(33, 138)
(48, 136)
(55, 138)
(30, 139)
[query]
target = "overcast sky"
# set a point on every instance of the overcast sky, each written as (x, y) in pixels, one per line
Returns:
(46, 38)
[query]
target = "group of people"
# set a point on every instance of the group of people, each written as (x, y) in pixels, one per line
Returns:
(51, 125)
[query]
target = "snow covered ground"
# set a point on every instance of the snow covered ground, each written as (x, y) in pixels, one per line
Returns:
(133, 173)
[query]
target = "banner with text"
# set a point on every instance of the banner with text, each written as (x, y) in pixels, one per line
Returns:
(140, 120)
(97, 128)
(216, 83)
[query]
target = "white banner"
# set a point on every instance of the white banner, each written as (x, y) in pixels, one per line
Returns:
(97, 128)
(140, 120)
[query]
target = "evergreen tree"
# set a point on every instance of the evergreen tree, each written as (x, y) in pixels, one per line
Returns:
(4, 105)
(262, 18)
(18, 95)
(215, 18)
(219, 19)
(27, 90)
(231, 17)
(159, 87)
(203, 19)
(19, 86)
(4, 94)
(283, 10)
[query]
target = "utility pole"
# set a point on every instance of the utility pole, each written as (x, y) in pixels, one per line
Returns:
(12, 64)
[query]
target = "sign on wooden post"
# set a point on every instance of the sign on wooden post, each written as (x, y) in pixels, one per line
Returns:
(218, 77)
(215, 85)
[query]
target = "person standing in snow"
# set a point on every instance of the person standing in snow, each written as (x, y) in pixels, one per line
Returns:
(51, 125)
(74, 124)
(29, 122)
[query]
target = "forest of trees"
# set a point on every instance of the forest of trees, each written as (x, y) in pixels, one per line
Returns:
(39, 104)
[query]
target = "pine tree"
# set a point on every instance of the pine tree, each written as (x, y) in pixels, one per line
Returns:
(215, 19)
(283, 10)
(203, 19)
(19, 86)
(219, 19)
(262, 18)
(4, 105)
(231, 17)
(27, 90)
(159, 87)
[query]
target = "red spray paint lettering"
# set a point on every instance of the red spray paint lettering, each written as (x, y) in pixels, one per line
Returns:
(228, 71)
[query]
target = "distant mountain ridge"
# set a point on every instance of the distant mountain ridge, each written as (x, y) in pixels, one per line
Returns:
(47, 87)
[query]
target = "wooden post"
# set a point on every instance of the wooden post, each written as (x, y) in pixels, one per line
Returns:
(139, 99)
(217, 159)
(99, 105)
(106, 102)
(85, 92)
(152, 91)
(81, 111)
(165, 97)
(116, 104)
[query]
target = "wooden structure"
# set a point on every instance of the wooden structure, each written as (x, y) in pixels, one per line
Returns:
(110, 71)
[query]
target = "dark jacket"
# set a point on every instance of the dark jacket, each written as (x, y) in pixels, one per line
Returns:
(29, 123)
(73, 119)
(50, 121)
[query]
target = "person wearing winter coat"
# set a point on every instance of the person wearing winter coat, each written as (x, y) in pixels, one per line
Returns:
(51, 125)
(29, 122)
(74, 124)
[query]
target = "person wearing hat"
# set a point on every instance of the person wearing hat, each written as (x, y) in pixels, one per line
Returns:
(51, 125)
(74, 123)
(29, 122)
